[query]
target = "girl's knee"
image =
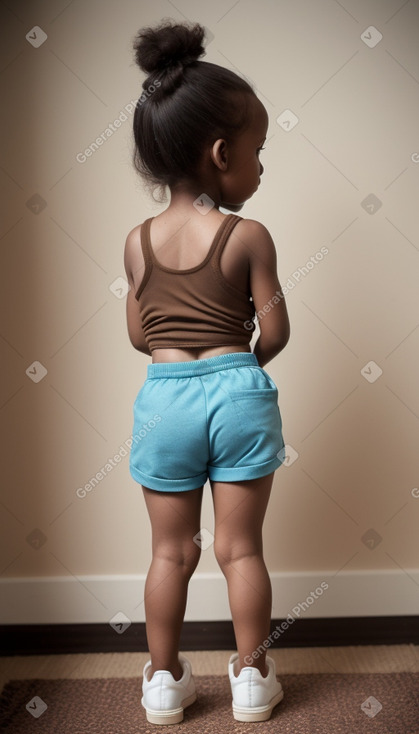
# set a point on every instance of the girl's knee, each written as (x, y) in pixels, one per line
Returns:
(226, 551)
(177, 553)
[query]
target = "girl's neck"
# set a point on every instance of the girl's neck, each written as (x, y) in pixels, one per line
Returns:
(207, 197)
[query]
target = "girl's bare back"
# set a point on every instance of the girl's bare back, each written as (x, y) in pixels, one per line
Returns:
(181, 242)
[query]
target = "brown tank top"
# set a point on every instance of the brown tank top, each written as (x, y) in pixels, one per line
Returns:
(197, 307)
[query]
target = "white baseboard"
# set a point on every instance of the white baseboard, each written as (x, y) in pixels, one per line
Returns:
(97, 599)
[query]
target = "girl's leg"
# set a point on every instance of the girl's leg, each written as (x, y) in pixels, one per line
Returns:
(175, 519)
(239, 510)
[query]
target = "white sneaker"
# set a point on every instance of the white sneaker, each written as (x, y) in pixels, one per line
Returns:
(254, 696)
(164, 698)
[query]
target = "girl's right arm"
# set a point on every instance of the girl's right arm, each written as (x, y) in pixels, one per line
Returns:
(268, 298)
(135, 330)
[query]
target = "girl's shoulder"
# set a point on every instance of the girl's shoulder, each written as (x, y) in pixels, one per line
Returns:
(251, 227)
(255, 237)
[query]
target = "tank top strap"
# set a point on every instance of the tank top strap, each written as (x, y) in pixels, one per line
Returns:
(147, 254)
(145, 241)
(228, 225)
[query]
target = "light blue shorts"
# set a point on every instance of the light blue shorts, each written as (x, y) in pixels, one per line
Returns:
(215, 417)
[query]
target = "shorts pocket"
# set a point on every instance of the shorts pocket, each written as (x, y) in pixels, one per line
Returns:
(269, 392)
(255, 421)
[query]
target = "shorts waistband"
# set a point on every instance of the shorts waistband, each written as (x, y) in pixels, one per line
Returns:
(197, 367)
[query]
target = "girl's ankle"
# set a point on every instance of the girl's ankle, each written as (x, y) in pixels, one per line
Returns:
(176, 672)
(262, 668)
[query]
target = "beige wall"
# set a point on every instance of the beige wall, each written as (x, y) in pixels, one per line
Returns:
(356, 137)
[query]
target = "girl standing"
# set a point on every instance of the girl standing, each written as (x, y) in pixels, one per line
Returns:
(208, 409)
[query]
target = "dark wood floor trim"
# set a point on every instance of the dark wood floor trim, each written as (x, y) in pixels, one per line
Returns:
(318, 632)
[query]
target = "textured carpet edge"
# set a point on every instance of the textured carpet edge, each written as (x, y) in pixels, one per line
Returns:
(14, 693)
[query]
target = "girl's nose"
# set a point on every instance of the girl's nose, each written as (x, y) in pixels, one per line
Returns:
(261, 170)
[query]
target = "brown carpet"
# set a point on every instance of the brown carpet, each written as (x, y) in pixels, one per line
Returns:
(312, 704)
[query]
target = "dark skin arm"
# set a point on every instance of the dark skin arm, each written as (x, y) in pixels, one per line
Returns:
(264, 285)
(135, 331)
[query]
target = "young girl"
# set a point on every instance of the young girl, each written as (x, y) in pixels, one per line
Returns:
(207, 409)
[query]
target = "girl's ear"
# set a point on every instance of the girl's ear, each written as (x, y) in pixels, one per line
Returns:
(219, 154)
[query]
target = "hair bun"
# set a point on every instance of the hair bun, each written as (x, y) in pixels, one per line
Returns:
(168, 45)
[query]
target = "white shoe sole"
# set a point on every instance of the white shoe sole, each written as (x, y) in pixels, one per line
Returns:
(257, 713)
(171, 716)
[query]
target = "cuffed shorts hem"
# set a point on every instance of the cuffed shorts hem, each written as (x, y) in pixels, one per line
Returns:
(215, 473)
(241, 473)
(168, 485)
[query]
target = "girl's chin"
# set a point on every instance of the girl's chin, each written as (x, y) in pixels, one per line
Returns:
(232, 207)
